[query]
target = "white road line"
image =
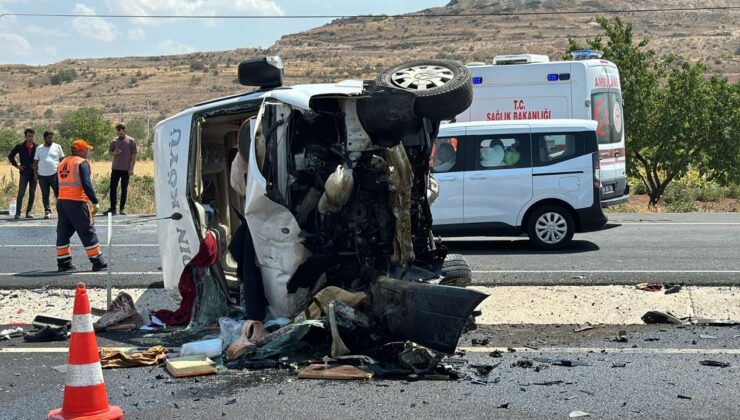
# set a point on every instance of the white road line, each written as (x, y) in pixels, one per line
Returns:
(102, 246)
(78, 273)
(674, 223)
(571, 350)
(11, 225)
(606, 271)
(597, 350)
(66, 350)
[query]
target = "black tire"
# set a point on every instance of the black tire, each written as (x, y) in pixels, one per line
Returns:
(555, 230)
(456, 271)
(441, 102)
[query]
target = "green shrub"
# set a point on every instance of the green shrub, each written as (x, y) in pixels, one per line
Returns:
(710, 192)
(678, 199)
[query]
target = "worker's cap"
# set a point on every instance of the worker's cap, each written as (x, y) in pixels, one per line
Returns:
(80, 144)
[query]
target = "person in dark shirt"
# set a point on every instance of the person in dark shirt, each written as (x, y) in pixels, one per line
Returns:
(25, 151)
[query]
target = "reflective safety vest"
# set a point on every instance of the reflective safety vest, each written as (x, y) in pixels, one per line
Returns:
(70, 183)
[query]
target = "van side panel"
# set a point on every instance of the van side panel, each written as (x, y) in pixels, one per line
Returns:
(178, 239)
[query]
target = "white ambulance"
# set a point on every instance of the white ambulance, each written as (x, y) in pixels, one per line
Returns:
(530, 87)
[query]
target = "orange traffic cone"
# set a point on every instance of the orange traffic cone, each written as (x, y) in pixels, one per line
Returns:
(84, 389)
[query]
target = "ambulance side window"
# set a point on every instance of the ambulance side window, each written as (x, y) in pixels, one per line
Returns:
(446, 155)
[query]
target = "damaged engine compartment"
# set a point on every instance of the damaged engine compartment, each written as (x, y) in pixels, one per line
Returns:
(337, 196)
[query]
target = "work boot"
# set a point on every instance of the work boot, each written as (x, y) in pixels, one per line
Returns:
(17, 216)
(98, 264)
(111, 211)
(29, 216)
(47, 214)
(66, 266)
(122, 212)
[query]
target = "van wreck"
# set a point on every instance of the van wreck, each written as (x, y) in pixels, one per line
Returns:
(310, 193)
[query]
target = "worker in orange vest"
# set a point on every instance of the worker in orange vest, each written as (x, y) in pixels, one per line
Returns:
(75, 191)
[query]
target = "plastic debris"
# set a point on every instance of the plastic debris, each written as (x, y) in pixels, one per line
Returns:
(649, 287)
(657, 317)
(574, 414)
(714, 363)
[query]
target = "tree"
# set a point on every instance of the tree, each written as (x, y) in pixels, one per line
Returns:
(8, 139)
(88, 124)
(675, 117)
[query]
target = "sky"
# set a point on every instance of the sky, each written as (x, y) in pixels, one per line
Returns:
(45, 40)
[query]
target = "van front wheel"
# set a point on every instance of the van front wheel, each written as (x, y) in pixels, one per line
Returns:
(550, 227)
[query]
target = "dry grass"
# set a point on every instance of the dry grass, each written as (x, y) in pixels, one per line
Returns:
(639, 204)
(143, 168)
(140, 192)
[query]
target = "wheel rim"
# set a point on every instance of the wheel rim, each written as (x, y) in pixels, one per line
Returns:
(422, 77)
(551, 228)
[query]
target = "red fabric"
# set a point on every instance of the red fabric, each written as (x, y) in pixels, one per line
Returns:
(206, 257)
(29, 149)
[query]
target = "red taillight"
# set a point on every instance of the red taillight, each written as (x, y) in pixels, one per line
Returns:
(597, 170)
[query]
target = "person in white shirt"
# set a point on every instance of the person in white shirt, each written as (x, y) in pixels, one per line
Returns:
(45, 164)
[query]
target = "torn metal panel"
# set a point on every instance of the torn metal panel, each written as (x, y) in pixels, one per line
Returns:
(430, 315)
(401, 179)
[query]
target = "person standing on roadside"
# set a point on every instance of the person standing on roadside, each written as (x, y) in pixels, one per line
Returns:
(45, 163)
(25, 151)
(75, 191)
(123, 150)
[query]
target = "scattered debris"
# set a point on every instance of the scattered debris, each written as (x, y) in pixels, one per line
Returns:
(560, 362)
(715, 322)
(47, 333)
(671, 288)
(714, 363)
(684, 397)
(586, 392)
(511, 349)
(481, 342)
(9, 333)
(574, 414)
(707, 337)
(207, 348)
(341, 372)
(484, 370)
(113, 358)
(621, 337)
(195, 365)
(584, 328)
(525, 364)
(652, 339)
(649, 287)
(619, 364)
(504, 406)
(548, 383)
(657, 317)
(495, 353)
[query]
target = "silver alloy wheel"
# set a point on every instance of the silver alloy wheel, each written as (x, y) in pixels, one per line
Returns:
(421, 77)
(551, 228)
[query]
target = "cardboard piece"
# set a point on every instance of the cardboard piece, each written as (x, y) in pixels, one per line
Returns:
(342, 372)
(195, 365)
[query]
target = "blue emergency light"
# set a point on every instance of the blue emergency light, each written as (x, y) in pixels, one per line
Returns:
(552, 77)
(477, 80)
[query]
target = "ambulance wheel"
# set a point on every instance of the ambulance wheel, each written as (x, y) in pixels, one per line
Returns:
(443, 88)
(550, 227)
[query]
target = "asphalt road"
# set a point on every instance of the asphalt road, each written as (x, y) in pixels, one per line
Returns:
(694, 249)
(653, 375)
(660, 362)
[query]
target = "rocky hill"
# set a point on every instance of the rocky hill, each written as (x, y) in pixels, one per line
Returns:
(358, 48)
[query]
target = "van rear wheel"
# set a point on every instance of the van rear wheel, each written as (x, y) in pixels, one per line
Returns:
(550, 227)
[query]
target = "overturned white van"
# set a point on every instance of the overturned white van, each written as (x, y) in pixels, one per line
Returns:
(331, 184)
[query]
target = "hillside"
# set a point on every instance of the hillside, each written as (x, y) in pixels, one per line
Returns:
(358, 48)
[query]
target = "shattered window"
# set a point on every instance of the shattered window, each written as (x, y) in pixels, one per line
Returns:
(445, 156)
